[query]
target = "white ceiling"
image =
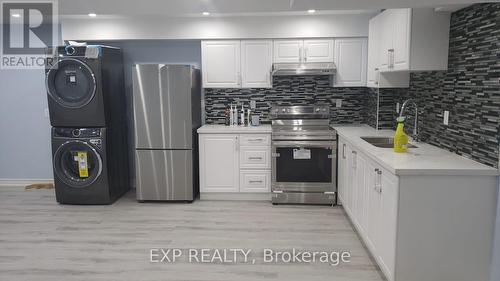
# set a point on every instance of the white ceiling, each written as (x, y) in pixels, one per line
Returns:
(182, 8)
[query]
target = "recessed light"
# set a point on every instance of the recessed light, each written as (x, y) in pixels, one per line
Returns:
(92, 15)
(206, 13)
(311, 11)
(16, 15)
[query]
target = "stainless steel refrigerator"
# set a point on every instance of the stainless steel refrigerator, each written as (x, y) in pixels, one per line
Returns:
(167, 112)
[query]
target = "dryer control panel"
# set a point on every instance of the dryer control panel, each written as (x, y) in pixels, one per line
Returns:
(78, 132)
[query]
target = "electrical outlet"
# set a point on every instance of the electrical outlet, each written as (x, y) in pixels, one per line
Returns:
(338, 103)
(446, 117)
(253, 104)
(397, 107)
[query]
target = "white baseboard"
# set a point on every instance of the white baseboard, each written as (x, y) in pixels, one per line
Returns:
(22, 182)
(237, 196)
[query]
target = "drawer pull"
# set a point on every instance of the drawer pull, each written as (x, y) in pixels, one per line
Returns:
(255, 139)
(255, 181)
(255, 158)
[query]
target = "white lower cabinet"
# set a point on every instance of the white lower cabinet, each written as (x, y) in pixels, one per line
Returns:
(418, 226)
(219, 167)
(255, 181)
(387, 190)
(255, 157)
(342, 172)
(235, 163)
(368, 193)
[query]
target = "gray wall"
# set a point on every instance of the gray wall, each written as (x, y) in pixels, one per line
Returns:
(25, 151)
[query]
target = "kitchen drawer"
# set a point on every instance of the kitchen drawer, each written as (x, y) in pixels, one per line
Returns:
(255, 139)
(255, 181)
(255, 157)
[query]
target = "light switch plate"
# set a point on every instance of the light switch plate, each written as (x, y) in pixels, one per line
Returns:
(338, 103)
(446, 117)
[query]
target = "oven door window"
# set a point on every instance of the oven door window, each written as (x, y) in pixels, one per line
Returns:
(296, 164)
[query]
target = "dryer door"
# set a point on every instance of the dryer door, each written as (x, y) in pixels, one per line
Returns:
(71, 83)
(77, 164)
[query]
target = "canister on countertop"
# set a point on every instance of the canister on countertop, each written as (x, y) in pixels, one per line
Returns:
(255, 120)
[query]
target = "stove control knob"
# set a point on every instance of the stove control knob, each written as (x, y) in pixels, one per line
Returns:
(317, 109)
(283, 110)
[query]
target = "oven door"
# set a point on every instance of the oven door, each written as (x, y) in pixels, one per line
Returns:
(304, 166)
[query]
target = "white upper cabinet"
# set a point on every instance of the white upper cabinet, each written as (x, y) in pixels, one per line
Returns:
(256, 63)
(385, 33)
(221, 64)
(373, 53)
(410, 40)
(400, 18)
(288, 51)
(301, 51)
(400, 40)
(318, 50)
(236, 64)
(378, 60)
(350, 59)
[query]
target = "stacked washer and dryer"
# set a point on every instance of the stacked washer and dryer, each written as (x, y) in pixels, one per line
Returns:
(86, 98)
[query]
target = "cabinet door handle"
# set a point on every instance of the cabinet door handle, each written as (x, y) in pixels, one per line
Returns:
(237, 146)
(305, 54)
(391, 58)
(255, 181)
(343, 151)
(300, 54)
(354, 159)
(379, 174)
(255, 158)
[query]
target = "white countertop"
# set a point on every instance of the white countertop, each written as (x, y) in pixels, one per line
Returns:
(223, 129)
(426, 159)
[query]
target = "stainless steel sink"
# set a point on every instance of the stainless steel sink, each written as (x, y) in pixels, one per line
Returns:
(384, 142)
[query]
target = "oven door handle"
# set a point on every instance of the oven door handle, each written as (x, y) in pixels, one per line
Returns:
(304, 144)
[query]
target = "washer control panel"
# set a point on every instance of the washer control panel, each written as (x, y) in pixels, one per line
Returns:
(77, 132)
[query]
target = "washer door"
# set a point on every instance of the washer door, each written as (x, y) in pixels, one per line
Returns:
(77, 164)
(71, 83)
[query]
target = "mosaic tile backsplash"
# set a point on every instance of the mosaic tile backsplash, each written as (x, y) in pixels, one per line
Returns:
(469, 89)
(291, 90)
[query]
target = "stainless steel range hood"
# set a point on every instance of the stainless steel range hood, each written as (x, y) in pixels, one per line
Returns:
(281, 69)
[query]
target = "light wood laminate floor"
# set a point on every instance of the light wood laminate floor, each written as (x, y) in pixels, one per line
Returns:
(42, 240)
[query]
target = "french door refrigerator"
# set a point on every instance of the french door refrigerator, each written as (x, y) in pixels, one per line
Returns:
(167, 113)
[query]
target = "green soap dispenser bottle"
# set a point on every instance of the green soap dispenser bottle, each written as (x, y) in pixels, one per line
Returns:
(400, 137)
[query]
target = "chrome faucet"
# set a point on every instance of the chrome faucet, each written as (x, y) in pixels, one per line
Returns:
(415, 126)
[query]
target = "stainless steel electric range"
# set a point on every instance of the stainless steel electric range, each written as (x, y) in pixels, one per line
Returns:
(304, 149)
